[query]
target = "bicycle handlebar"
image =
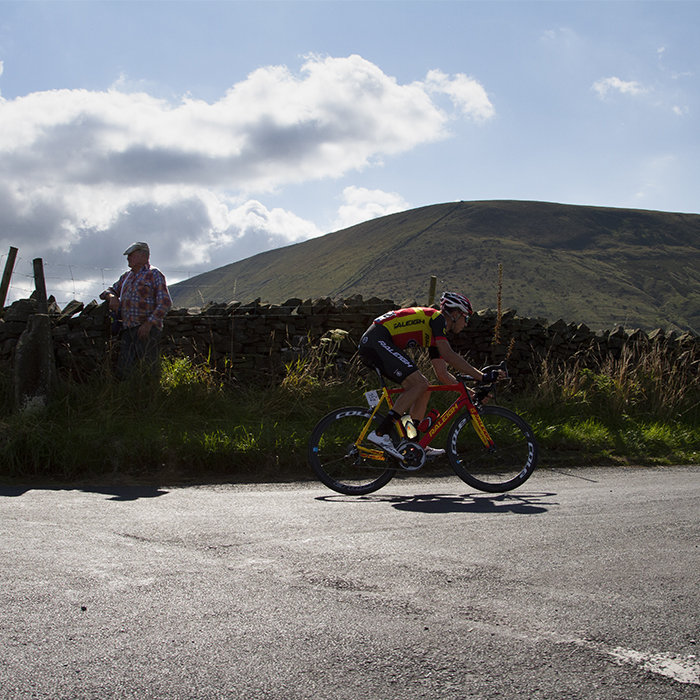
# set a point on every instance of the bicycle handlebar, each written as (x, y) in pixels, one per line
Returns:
(502, 367)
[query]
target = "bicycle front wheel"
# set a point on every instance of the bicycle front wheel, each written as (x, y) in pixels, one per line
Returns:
(335, 458)
(503, 467)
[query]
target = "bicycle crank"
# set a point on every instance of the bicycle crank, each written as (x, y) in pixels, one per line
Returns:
(413, 455)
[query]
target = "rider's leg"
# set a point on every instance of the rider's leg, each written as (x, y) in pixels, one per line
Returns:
(415, 387)
(419, 407)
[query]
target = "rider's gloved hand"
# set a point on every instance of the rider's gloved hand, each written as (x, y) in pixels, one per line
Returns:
(490, 375)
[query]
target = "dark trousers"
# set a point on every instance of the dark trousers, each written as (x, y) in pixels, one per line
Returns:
(135, 353)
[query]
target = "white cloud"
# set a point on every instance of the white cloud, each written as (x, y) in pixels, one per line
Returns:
(271, 129)
(186, 235)
(247, 230)
(362, 204)
(82, 173)
(466, 93)
(607, 85)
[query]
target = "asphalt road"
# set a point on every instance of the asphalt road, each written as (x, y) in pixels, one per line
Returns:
(582, 584)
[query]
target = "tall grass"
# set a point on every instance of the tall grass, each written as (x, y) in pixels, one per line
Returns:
(197, 424)
(643, 407)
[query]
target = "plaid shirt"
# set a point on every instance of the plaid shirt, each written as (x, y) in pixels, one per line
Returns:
(143, 295)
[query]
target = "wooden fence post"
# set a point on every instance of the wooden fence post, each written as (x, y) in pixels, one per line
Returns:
(433, 285)
(7, 275)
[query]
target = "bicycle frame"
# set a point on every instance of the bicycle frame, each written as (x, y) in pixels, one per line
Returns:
(463, 401)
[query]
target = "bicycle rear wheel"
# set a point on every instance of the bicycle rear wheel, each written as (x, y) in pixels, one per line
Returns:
(334, 457)
(505, 466)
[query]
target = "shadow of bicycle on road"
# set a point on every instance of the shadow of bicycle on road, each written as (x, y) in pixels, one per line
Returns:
(438, 503)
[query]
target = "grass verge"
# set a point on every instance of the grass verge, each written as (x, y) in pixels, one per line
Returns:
(197, 426)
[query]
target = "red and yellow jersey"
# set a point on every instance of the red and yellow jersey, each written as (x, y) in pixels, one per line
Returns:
(417, 326)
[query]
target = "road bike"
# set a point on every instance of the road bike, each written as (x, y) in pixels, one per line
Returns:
(488, 446)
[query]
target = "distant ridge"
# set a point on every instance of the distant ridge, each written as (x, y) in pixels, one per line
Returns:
(598, 265)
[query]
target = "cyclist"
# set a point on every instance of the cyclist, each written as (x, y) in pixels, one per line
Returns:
(382, 347)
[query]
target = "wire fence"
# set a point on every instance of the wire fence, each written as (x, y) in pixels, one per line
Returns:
(67, 282)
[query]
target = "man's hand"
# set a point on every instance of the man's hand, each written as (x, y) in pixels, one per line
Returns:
(492, 375)
(145, 329)
(113, 303)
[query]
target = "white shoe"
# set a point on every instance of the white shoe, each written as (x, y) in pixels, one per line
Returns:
(384, 441)
(433, 452)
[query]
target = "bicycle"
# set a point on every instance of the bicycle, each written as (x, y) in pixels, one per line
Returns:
(489, 447)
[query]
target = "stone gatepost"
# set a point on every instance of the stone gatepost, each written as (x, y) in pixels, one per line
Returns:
(34, 364)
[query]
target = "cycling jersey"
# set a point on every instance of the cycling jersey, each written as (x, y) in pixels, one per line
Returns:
(413, 327)
(383, 343)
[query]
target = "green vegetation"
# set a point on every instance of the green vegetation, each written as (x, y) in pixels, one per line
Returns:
(609, 267)
(195, 425)
(635, 410)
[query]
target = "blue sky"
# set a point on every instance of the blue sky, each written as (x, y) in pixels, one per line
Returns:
(217, 130)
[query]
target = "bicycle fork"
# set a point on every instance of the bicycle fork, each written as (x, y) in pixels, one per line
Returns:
(480, 428)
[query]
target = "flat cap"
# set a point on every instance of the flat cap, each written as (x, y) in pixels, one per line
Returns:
(139, 245)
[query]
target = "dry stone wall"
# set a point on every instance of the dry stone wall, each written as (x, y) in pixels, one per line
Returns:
(261, 337)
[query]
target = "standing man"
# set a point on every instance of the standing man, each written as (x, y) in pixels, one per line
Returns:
(142, 297)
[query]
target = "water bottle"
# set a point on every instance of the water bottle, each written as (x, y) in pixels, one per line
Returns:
(427, 423)
(409, 428)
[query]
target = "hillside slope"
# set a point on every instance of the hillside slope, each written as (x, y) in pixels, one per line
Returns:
(598, 265)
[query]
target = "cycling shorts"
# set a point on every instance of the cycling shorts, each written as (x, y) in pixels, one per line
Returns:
(377, 350)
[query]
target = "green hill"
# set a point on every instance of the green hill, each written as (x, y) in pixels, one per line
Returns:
(597, 265)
